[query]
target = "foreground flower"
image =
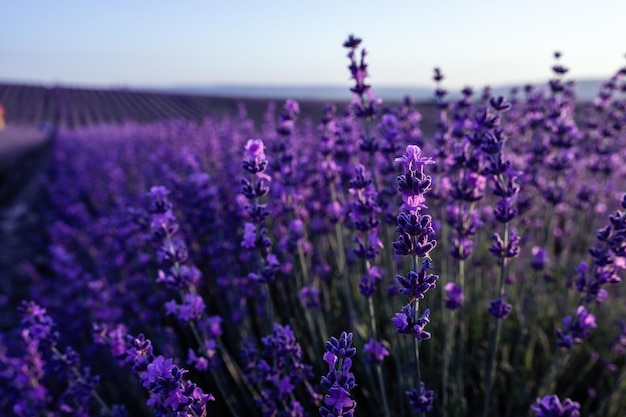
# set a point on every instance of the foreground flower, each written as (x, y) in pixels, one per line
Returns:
(339, 380)
(164, 380)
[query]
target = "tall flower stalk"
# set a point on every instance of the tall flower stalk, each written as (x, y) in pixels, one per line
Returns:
(365, 210)
(255, 238)
(505, 246)
(416, 240)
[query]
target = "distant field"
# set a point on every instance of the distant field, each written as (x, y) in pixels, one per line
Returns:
(73, 107)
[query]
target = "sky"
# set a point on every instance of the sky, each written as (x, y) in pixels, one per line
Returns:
(135, 43)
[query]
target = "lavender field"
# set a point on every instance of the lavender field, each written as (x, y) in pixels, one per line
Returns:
(192, 257)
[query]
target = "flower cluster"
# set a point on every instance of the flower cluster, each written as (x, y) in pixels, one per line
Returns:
(364, 103)
(44, 380)
(255, 235)
(416, 283)
(576, 328)
(363, 214)
(176, 272)
(417, 239)
(421, 400)
(163, 379)
(455, 296)
(375, 351)
(406, 323)
(551, 406)
(609, 258)
(339, 380)
(277, 370)
(416, 231)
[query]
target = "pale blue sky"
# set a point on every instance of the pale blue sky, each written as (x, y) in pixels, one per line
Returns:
(173, 43)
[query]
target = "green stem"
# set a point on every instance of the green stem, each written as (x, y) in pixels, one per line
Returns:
(448, 343)
(460, 401)
(495, 336)
(379, 372)
(416, 350)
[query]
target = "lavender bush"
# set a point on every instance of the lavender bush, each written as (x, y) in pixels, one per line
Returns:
(202, 268)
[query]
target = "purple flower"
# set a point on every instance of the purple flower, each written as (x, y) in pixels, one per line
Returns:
(510, 250)
(369, 281)
(499, 308)
(540, 258)
(412, 160)
(37, 325)
(249, 236)
(339, 380)
(191, 308)
(287, 119)
(406, 324)
(339, 399)
(576, 329)
(310, 296)
(161, 368)
(375, 351)
(277, 369)
(164, 381)
(389, 127)
(341, 347)
(455, 296)
(417, 236)
(551, 406)
(416, 284)
(462, 247)
(352, 42)
(421, 400)
(158, 200)
(254, 149)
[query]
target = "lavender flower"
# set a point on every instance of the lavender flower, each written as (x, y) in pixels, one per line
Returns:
(499, 308)
(255, 235)
(551, 406)
(375, 351)
(310, 296)
(177, 272)
(38, 325)
(277, 369)
(421, 400)
(339, 380)
(169, 390)
(190, 309)
(576, 329)
(369, 281)
(540, 258)
(364, 102)
(416, 284)
(406, 324)
(455, 296)
(416, 231)
(163, 379)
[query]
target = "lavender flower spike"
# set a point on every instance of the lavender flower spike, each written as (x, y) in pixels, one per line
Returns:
(550, 406)
(412, 160)
(576, 329)
(339, 380)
